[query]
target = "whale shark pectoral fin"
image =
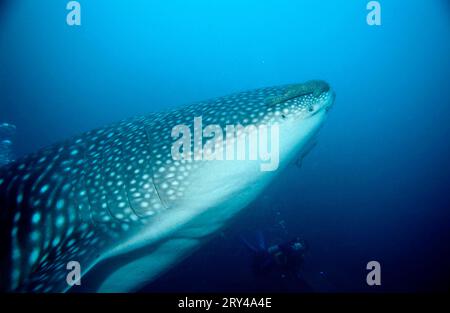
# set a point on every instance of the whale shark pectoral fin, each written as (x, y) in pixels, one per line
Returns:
(137, 271)
(51, 274)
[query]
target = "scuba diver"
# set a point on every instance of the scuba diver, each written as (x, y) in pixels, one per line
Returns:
(286, 257)
(285, 260)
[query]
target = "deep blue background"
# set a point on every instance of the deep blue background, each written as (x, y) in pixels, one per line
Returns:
(375, 188)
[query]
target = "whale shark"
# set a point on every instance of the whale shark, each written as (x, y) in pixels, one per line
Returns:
(7, 132)
(115, 200)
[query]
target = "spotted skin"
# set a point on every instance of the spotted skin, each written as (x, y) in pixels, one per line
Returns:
(102, 193)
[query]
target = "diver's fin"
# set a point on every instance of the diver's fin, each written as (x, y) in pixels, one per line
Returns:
(7, 132)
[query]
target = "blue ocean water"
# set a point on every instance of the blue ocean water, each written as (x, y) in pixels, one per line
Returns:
(375, 187)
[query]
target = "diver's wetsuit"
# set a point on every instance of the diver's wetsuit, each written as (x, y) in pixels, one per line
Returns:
(288, 257)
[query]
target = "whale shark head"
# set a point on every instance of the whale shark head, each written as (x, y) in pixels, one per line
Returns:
(302, 100)
(299, 110)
